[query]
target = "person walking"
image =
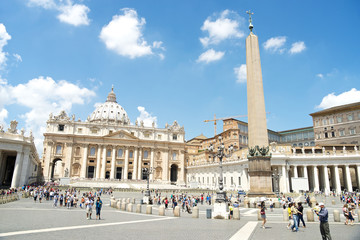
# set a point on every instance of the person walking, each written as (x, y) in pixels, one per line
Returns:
(98, 205)
(294, 214)
(324, 224)
(89, 203)
(262, 213)
(300, 215)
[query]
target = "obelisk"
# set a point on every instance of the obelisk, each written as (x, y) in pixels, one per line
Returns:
(259, 157)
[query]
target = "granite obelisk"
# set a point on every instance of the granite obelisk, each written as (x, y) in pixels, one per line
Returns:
(259, 157)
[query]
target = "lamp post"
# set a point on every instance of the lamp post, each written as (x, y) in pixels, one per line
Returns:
(221, 153)
(146, 172)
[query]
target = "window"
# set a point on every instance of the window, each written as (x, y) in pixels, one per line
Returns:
(92, 151)
(110, 132)
(120, 152)
(159, 137)
(224, 180)
(35, 168)
(61, 127)
(77, 151)
(350, 117)
(332, 134)
(239, 181)
(232, 181)
(324, 121)
(174, 156)
(108, 153)
(352, 131)
(174, 136)
(326, 135)
(339, 119)
(146, 154)
(331, 121)
(132, 133)
(58, 149)
(342, 133)
(147, 135)
(108, 161)
(94, 131)
(131, 154)
(79, 130)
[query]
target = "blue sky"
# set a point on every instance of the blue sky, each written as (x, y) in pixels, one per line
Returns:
(179, 60)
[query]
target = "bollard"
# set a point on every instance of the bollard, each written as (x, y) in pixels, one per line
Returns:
(123, 206)
(128, 200)
(236, 214)
(148, 209)
(285, 215)
(138, 208)
(246, 203)
(177, 211)
(336, 215)
(208, 213)
(313, 201)
(118, 204)
(333, 202)
(133, 200)
(358, 213)
(195, 212)
(129, 207)
(259, 215)
(310, 215)
(277, 204)
(162, 210)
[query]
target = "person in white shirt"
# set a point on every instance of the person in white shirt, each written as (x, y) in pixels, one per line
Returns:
(89, 203)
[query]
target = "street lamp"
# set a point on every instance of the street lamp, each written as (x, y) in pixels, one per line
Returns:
(221, 153)
(146, 172)
(276, 177)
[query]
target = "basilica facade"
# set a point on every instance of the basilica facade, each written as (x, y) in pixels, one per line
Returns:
(107, 147)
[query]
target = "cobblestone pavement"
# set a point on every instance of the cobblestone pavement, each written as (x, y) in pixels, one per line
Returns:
(25, 219)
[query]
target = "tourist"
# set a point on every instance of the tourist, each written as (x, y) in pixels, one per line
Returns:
(98, 205)
(346, 214)
(61, 200)
(89, 203)
(271, 205)
(56, 198)
(289, 215)
(324, 224)
(294, 214)
(231, 209)
(351, 214)
(300, 215)
(262, 213)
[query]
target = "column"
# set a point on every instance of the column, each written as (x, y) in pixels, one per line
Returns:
(17, 170)
(48, 162)
(139, 164)
(152, 164)
(295, 172)
(126, 165)
(182, 170)
(98, 159)
(24, 177)
(68, 157)
(134, 174)
(337, 179)
(305, 172)
(326, 180)
(112, 171)
(165, 176)
(358, 176)
(316, 179)
(284, 180)
(103, 163)
(348, 179)
(84, 162)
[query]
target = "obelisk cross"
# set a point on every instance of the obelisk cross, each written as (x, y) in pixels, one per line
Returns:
(250, 20)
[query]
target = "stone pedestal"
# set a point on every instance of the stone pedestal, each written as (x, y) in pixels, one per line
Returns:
(285, 215)
(310, 215)
(260, 177)
(195, 212)
(177, 211)
(221, 210)
(236, 214)
(118, 204)
(138, 208)
(129, 207)
(148, 209)
(162, 211)
(336, 216)
(259, 215)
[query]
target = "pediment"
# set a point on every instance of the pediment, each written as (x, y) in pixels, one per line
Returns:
(121, 135)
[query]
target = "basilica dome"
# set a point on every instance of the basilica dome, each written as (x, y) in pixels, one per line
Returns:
(110, 111)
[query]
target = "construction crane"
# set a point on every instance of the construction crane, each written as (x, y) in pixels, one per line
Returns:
(219, 119)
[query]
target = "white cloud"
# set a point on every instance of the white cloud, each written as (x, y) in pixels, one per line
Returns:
(4, 38)
(275, 44)
(210, 56)
(332, 100)
(41, 96)
(224, 27)
(146, 117)
(320, 75)
(240, 73)
(297, 47)
(3, 115)
(70, 13)
(124, 35)
(74, 14)
(17, 57)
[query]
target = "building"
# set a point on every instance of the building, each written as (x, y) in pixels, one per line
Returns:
(19, 161)
(107, 146)
(337, 125)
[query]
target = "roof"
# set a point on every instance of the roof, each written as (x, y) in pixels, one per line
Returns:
(296, 130)
(346, 107)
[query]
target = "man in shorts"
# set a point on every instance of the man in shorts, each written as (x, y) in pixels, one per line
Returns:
(89, 203)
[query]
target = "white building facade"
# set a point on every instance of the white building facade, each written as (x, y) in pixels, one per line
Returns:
(19, 161)
(107, 147)
(310, 169)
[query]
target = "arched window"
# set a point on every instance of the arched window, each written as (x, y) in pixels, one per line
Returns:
(58, 149)
(120, 153)
(92, 151)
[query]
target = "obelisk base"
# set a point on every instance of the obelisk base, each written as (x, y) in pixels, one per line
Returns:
(260, 177)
